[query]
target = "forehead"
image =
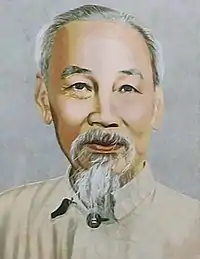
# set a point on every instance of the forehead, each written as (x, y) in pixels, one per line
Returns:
(93, 44)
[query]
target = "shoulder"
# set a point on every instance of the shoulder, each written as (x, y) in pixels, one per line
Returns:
(177, 213)
(169, 194)
(24, 211)
(20, 200)
(174, 200)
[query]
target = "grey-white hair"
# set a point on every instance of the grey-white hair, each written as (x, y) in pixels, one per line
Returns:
(45, 37)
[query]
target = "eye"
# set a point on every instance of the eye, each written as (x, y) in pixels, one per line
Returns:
(128, 88)
(78, 90)
(80, 86)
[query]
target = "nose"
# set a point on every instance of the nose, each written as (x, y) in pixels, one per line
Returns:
(103, 118)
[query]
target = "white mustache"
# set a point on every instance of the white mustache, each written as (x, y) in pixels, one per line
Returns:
(98, 136)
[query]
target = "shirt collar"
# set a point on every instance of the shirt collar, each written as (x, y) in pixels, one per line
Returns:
(132, 195)
(128, 197)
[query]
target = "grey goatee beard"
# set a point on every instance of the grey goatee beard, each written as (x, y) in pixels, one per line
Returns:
(96, 185)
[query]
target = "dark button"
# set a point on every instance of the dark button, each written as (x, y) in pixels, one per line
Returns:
(94, 220)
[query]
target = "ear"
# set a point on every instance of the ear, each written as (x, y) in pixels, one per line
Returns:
(158, 109)
(42, 100)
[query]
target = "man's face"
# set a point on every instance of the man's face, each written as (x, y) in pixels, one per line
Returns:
(112, 89)
(100, 81)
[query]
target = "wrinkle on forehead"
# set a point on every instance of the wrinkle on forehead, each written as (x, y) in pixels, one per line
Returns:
(101, 47)
(79, 30)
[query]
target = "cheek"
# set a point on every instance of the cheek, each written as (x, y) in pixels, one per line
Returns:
(70, 116)
(137, 113)
(73, 112)
(66, 134)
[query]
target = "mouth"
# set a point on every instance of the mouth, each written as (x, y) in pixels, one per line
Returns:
(103, 148)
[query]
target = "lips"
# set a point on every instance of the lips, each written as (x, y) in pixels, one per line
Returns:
(103, 148)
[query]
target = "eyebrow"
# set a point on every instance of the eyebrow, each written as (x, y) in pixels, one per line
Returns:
(68, 71)
(132, 72)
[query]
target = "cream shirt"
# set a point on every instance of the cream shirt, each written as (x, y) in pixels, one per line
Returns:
(154, 222)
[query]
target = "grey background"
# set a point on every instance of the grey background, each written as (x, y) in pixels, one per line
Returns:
(28, 149)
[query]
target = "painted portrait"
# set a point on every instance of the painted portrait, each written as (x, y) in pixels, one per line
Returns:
(100, 160)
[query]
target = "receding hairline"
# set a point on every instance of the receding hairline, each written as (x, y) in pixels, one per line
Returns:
(105, 21)
(81, 25)
(66, 30)
(90, 12)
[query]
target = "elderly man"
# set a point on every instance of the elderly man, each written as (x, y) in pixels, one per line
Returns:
(99, 84)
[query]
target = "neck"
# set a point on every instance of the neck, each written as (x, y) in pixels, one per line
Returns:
(136, 169)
